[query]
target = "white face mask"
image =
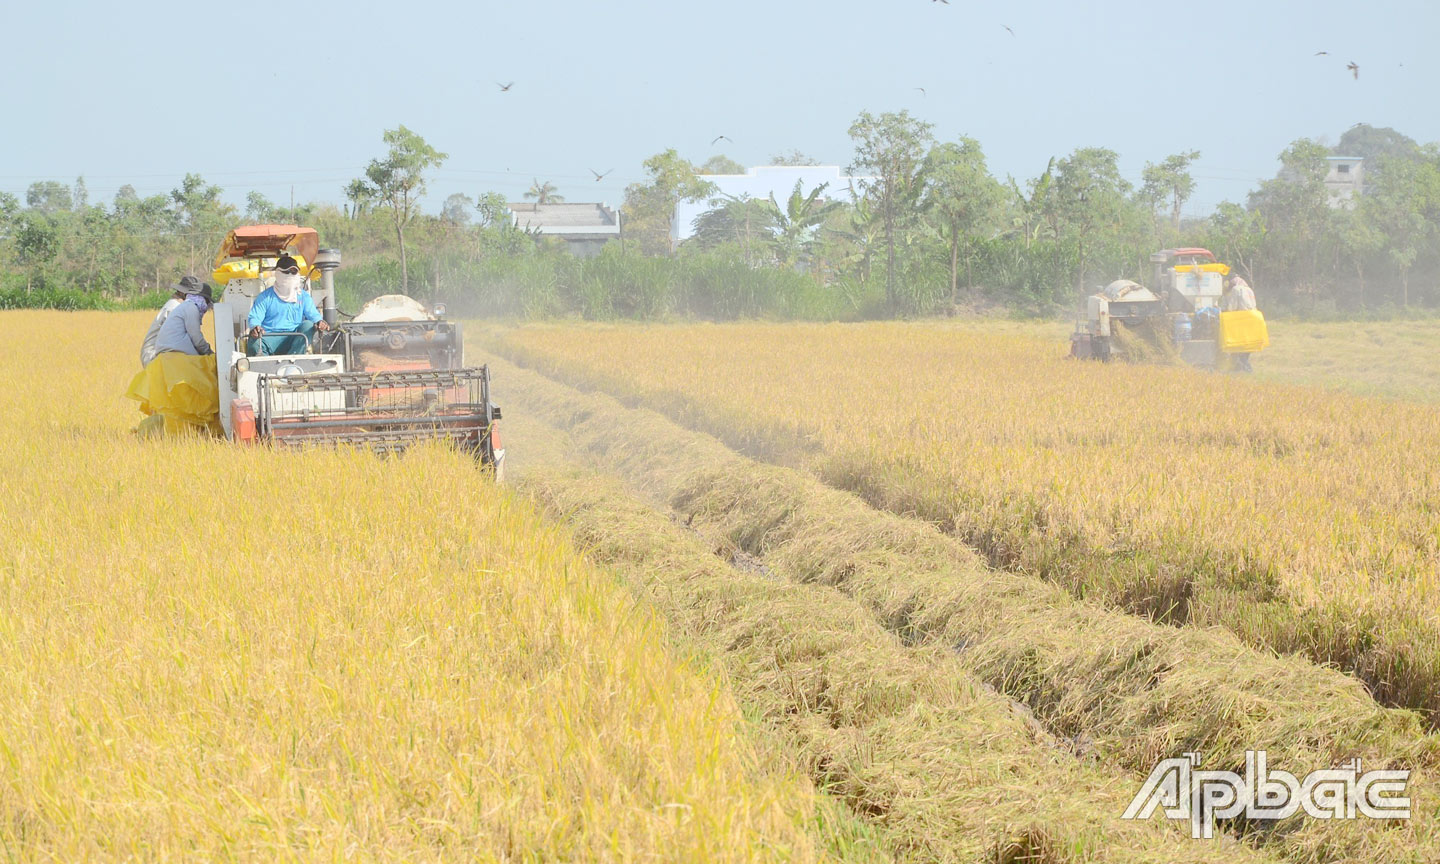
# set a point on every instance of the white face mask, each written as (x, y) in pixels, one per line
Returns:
(287, 286)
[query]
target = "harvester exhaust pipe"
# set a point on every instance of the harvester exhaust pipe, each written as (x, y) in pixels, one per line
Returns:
(1157, 269)
(328, 261)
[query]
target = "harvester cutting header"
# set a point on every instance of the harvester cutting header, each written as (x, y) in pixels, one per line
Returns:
(290, 372)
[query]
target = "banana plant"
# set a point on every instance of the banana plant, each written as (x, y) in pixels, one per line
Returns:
(1030, 212)
(799, 218)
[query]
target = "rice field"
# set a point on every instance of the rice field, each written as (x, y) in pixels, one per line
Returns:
(1094, 685)
(1393, 359)
(1301, 520)
(771, 620)
(211, 653)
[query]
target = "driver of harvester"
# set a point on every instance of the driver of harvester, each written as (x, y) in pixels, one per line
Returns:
(283, 319)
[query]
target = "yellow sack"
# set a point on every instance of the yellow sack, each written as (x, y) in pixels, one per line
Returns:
(249, 268)
(1243, 331)
(182, 389)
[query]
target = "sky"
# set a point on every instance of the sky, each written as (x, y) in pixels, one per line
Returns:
(275, 97)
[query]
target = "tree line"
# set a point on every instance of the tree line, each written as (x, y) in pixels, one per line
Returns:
(927, 228)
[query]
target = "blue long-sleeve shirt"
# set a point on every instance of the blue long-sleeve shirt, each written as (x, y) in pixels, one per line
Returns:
(181, 331)
(277, 316)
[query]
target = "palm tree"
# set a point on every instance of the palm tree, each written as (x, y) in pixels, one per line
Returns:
(544, 193)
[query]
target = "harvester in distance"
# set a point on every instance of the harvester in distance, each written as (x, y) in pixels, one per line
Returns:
(1179, 315)
(390, 376)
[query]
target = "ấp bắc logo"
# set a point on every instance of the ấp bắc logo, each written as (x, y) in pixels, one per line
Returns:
(1185, 792)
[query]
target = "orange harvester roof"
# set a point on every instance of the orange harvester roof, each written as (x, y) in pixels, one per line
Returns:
(268, 241)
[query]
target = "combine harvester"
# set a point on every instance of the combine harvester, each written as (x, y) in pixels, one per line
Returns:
(1179, 317)
(392, 375)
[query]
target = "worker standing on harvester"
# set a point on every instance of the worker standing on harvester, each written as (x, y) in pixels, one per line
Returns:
(1238, 297)
(283, 319)
(181, 331)
(185, 287)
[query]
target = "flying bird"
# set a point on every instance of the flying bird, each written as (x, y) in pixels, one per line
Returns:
(946, 2)
(1007, 27)
(720, 138)
(1319, 53)
(1354, 69)
(504, 88)
(598, 175)
(921, 89)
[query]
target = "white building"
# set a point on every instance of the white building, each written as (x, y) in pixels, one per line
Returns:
(1345, 180)
(585, 228)
(760, 183)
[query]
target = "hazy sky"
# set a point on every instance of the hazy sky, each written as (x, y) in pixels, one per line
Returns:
(266, 96)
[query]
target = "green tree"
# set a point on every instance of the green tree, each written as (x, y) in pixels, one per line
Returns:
(1359, 241)
(493, 210)
(1296, 208)
(1237, 235)
(889, 149)
(195, 201)
(456, 210)
(1373, 142)
(80, 194)
(721, 164)
(962, 200)
(48, 197)
(93, 240)
(202, 216)
(9, 213)
(859, 237)
(649, 211)
(260, 209)
(544, 193)
(361, 196)
(1089, 202)
(37, 242)
(1402, 203)
(749, 223)
(398, 181)
(1170, 181)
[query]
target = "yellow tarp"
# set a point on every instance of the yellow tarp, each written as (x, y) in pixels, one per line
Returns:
(1243, 331)
(181, 389)
(1222, 269)
(249, 268)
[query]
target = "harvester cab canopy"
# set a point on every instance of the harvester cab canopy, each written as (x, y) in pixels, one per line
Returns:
(268, 241)
(1189, 255)
(246, 261)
